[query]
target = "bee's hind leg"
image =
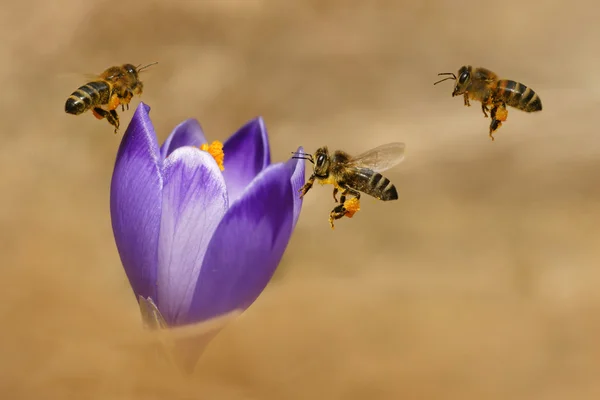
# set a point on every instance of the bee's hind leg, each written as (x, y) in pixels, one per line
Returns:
(498, 113)
(111, 116)
(338, 212)
(114, 102)
(99, 113)
(113, 119)
(347, 191)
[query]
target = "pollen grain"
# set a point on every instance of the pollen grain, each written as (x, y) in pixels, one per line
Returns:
(352, 206)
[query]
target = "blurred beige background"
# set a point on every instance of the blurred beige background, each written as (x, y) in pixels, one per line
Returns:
(480, 282)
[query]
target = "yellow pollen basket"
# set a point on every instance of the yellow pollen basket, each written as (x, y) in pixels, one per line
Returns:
(352, 206)
(215, 149)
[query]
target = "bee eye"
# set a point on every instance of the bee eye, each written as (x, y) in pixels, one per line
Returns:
(463, 77)
(320, 159)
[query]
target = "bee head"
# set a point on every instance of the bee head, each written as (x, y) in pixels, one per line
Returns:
(129, 73)
(462, 81)
(133, 73)
(320, 160)
(131, 70)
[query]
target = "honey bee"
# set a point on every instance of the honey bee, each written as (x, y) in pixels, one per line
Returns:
(494, 94)
(115, 86)
(352, 175)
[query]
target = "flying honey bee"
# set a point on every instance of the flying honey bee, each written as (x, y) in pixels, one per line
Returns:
(352, 175)
(494, 94)
(115, 86)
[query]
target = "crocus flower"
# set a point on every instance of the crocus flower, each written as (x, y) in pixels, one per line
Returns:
(197, 241)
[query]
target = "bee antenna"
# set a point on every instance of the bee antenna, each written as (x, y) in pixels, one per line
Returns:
(139, 69)
(303, 156)
(445, 79)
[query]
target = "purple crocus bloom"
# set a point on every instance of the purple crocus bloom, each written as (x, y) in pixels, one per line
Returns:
(197, 241)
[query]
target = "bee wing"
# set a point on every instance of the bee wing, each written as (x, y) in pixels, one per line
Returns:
(76, 79)
(90, 77)
(380, 158)
(78, 75)
(485, 75)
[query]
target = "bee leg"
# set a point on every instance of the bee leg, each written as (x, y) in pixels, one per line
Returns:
(494, 127)
(113, 119)
(335, 192)
(338, 212)
(466, 96)
(111, 116)
(495, 124)
(348, 191)
(99, 113)
(484, 109)
(499, 113)
(125, 99)
(307, 186)
(343, 196)
(114, 102)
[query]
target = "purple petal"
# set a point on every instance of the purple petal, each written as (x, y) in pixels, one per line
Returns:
(135, 202)
(297, 167)
(246, 154)
(194, 202)
(246, 247)
(187, 133)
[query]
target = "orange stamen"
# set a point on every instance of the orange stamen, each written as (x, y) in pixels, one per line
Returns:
(215, 149)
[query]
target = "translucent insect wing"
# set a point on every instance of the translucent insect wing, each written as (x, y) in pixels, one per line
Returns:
(381, 158)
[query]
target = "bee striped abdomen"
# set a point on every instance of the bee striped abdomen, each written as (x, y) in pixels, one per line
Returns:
(374, 184)
(88, 96)
(519, 96)
(382, 188)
